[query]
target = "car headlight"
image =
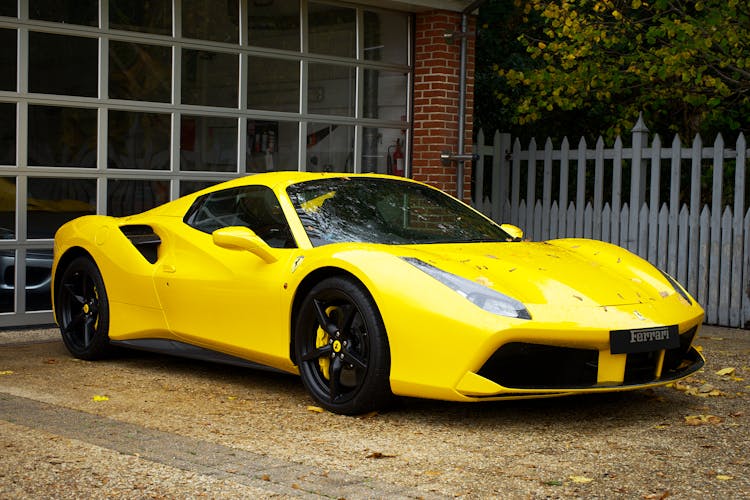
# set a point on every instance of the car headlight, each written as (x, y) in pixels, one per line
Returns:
(486, 298)
(677, 287)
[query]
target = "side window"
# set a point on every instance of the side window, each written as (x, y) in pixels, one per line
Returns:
(255, 207)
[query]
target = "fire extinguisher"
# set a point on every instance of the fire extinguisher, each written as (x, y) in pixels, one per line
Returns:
(396, 160)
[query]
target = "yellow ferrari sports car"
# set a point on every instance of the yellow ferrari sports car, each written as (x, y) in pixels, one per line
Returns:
(370, 287)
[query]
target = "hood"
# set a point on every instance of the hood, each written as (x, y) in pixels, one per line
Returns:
(561, 272)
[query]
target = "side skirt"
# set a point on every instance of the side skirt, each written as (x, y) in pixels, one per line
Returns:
(183, 350)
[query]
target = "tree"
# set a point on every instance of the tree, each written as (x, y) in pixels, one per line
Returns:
(684, 64)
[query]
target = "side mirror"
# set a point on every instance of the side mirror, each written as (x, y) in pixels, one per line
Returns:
(515, 232)
(243, 238)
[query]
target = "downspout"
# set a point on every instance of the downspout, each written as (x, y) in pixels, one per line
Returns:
(462, 106)
(460, 158)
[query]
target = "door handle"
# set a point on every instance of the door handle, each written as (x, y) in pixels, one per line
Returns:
(169, 268)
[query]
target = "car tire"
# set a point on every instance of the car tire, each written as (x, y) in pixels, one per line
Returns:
(82, 310)
(342, 348)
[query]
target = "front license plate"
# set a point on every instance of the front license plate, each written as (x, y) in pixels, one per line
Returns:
(644, 339)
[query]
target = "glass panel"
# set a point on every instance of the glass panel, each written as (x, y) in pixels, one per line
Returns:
(8, 44)
(272, 145)
(209, 78)
(7, 280)
(333, 30)
(208, 143)
(62, 137)
(38, 280)
(128, 197)
(53, 201)
(85, 12)
(9, 8)
(330, 148)
(273, 84)
(61, 64)
(7, 208)
(188, 187)
(384, 94)
(274, 24)
(154, 16)
(383, 151)
(138, 140)
(140, 72)
(386, 36)
(331, 89)
(211, 20)
(7, 133)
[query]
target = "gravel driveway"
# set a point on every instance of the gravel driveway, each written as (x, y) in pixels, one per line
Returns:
(149, 426)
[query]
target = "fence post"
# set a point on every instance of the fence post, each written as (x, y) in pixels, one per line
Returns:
(500, 176)
(637, 180)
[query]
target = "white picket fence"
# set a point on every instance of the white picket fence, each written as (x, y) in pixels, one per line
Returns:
(706, 246)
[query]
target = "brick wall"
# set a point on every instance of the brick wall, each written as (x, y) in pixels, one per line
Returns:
(436, 93)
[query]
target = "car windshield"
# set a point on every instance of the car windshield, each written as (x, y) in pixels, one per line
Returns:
(375, 210)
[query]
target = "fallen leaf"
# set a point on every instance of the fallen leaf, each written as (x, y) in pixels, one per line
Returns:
(725, 371)
(580, 479)
(100, 398)
(265, 477)
(722, 477)
(316, 409)
(556, 482)
(377, 454)
(51, 361)
(231, 398)
(702, 420)
(657, 496)
(6, 372)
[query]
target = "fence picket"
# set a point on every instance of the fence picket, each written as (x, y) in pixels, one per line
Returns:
(616, 190)
(661, 261)
(695, 200)
(546, 187)
(725, 275)
(564, 169)
(606, 222)
(654, 197)
(674, 198)
(703, 253)
(738, 249)
(682, 246)
(516, 184)
(554, 220)
(588, 219)
(598, 188)
(580, 186)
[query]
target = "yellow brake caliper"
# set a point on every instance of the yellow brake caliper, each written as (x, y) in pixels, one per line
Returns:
(321, 340)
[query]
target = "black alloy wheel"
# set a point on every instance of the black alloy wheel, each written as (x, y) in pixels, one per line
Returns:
(342, 348)
(82, 310)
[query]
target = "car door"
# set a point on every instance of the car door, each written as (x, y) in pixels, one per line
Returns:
(225, 299)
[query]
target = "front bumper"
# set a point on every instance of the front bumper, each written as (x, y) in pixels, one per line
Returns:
(522, 369)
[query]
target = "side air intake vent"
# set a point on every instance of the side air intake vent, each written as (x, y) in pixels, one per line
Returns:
(144, 239)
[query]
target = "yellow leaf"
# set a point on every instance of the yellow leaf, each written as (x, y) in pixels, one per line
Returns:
(316, 409)
(580, 479)
(231, 398)
(702, 420)
(6, 372)
(725, 371)
(722, 477)
(100, 398)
